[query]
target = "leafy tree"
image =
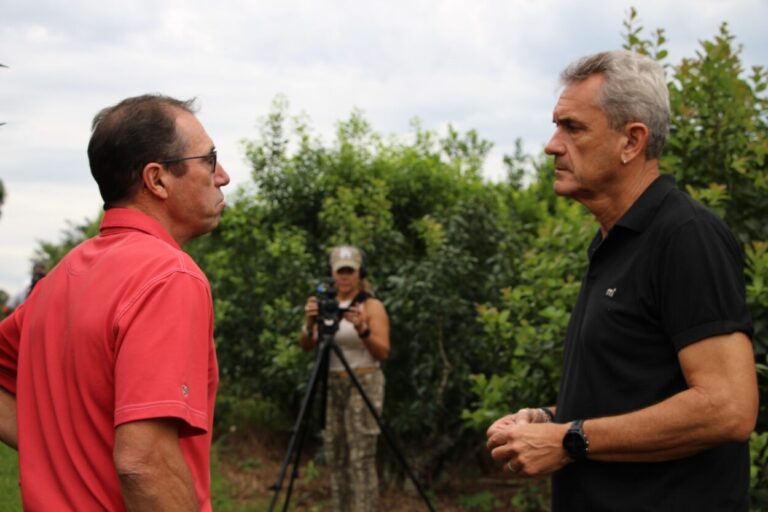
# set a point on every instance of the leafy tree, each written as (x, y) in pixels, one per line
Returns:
(426, 220)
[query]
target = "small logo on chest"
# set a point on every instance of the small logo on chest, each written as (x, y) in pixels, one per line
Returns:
(610, 292)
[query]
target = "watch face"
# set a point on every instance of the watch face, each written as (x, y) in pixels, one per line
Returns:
(575, 444)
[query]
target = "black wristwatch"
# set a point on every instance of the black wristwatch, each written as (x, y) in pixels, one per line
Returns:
(575, 441)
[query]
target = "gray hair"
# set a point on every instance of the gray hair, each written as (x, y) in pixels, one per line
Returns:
(635, 89)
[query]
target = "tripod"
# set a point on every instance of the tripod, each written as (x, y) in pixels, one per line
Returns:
(326, 330)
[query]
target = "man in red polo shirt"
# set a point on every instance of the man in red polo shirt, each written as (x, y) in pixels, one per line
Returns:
(108, 371)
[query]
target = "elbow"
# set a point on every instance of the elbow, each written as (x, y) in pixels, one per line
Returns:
(739, 420)
(133, 475)
(741, 431)
(744, 425)
(131, 467)
(137, 464)
(381, 351)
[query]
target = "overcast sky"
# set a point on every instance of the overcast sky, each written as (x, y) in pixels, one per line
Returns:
(488, 65)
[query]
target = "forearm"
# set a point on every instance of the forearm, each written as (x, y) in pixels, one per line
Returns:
(168, 488)
(151, 467)
(682, 425)
(307, 339)
(718, 406)
(8, 428)
(377, 326)
(377, 345)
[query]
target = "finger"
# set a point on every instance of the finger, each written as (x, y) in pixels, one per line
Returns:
(503, 453)
(496, 442)
(500, 425)
(495, 425)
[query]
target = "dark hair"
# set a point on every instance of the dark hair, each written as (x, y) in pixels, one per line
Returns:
(127, 136)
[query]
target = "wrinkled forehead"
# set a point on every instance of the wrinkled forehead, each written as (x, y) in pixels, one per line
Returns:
(579, 98)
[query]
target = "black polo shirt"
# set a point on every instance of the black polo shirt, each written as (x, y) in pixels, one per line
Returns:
(668, 274)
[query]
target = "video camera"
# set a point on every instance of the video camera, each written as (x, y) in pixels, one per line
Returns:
(329, 314)
(328, 309)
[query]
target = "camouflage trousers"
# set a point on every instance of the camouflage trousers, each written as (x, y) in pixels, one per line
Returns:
(350, 437)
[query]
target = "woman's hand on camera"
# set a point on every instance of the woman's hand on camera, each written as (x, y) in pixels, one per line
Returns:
(307, 338)
(356, 315)
(310, 311)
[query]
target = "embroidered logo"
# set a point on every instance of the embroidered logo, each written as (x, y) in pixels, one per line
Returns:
(185, 390)
(610, 292)
(345, 254)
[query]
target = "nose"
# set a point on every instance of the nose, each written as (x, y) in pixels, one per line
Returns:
(554, 146)
(221, 178)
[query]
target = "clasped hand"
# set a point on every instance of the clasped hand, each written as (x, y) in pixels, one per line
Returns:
(527, 447)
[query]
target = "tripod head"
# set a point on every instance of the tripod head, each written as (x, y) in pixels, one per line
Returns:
(329, 313)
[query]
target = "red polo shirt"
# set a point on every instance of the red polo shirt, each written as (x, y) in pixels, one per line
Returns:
(121, 330)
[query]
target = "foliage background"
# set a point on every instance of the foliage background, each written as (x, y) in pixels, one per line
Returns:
(479, 278)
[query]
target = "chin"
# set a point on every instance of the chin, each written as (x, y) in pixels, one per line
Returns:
(562, 189)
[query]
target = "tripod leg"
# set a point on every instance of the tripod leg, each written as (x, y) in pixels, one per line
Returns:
(296, 462)
(321, 382)
(300, 426)
(387, 436)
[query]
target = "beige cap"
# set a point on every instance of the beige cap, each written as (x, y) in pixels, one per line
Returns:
(346, 256)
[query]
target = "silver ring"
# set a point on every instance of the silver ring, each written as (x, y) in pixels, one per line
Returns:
(509, 467)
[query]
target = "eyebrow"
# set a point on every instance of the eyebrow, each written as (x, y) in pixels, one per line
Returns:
(567, 121)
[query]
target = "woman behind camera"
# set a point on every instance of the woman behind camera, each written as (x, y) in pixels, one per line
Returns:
(351, 430)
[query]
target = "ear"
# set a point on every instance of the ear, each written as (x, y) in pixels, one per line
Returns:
(154, 178)
(636, 135)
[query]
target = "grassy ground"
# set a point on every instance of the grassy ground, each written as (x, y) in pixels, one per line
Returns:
(9, 480)
(10, 500)
(244, 468)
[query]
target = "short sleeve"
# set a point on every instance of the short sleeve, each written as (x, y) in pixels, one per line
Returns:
(10, 337)
(162, 357)
(702, 290)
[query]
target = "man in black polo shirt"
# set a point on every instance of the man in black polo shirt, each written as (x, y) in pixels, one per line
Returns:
(659, 393)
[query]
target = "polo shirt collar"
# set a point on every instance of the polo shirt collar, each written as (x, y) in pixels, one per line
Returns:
(641, 213)
(118, 219)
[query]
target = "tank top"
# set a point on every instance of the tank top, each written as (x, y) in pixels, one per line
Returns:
(351, 345)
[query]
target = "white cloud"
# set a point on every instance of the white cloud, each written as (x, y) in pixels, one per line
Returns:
(488, 65)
